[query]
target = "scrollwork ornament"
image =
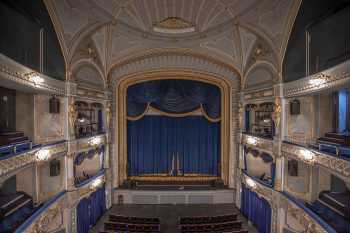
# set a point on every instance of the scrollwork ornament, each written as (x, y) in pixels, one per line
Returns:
(72, 116)
(276, 115)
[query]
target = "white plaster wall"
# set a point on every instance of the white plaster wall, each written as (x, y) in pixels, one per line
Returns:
(50, 185)
(25, 114)
(48, 127)
(301, 127)
(299, 183)
(25, 180)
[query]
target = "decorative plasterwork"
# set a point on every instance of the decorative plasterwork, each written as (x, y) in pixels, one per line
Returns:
(330, 78)
(171, 59)
(131, 24)
(89, 93)
(228, 125)
(173, 25)
(310, 225)
(84, 144)
(256, 95)
(13, 73)
(50, 220)
(257, 142)
(332, 163)
(17, 162)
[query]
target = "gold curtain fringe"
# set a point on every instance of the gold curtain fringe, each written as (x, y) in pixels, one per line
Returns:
(162, 113)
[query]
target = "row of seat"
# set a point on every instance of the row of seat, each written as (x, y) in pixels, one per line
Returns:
(136, 228)
(134, 220)
(212, 227)
(207, 219)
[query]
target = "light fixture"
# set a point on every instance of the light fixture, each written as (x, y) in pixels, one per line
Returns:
(306, 155)
(42, 155)
(96, 183)
(250, 182)
(252, 141)
(35, 78)
(317, 81)
(95, 141)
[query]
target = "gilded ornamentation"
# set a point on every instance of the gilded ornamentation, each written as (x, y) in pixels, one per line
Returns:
(72, 116)
(333, 77)
(276, 115)
(108, 114)
(44, 222)
(258, 94)
(335, 164)
(173, 23)
(260, 143)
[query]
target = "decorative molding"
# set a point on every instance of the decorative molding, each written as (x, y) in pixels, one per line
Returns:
(257, 142)
(258, 94)
(14, 74)
(89, 93)
(83, 144)
(304, 219)
(16, 162)
(335, 164)
(173, 25)
(331, 78)
(44, 222)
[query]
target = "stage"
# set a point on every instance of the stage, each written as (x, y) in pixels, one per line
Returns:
(174, 195)
(169, 214)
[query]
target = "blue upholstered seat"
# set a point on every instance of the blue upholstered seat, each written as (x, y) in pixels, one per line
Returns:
(334, 219)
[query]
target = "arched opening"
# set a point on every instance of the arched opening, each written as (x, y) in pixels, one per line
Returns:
(121, 129)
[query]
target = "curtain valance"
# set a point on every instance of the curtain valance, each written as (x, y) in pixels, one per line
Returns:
(174, 97)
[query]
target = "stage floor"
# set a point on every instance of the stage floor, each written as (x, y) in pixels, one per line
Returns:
(169, 214)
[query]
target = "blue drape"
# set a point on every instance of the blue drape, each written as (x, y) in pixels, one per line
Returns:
(256, 209)
(90, 209)
(173, 96)
(153, 140)
(83, 217)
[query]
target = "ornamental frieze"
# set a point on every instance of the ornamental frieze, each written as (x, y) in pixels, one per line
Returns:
(314, 157)
(330, 78)
(84, 144)
(259, 94)
(257, 142)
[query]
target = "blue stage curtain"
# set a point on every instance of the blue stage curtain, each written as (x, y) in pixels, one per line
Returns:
(97, 205)
(83, 216)
(153, 140)
(174, 96)
(90, 209)
(256, 209)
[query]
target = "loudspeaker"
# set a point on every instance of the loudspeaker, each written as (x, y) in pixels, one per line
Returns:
(54, 105)
(295, 107)
(55, 167)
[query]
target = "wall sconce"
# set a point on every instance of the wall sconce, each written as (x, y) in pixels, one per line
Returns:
(42, 155)
(96, 183)
(35, 78)
(95, 141)
(252, 141)
(251, 183)
(306, 155)
(317, 81)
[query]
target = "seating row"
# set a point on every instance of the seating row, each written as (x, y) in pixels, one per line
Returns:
(217, 227)
(207, 219)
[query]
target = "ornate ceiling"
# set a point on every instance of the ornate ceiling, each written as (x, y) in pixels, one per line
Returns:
(242, 34)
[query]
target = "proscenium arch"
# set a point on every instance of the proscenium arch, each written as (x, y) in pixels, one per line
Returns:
(228, 123)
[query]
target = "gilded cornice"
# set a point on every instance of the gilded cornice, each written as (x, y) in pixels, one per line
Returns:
(257, 142)
(331, 78)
